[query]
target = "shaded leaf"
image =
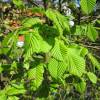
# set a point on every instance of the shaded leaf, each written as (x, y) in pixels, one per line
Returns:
(81, 86)
(29, 22)
(92, 33)
(15, 89)
(94, 61)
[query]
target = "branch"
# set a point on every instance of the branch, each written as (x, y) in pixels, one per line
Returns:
(93, 47)
(84, 18)
(34, 3)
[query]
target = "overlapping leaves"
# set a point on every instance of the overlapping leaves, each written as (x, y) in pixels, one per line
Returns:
(34, 43)
(59, 21)
(66, 59)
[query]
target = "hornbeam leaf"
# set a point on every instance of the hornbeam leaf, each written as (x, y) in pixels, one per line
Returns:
(76, 62)
(80, 86)
(56, 68)
(59, 20)
(92, 77)
(92, 33)
(88, 5)
(36, 75)
(94, 61)
(55, 52)
(29, 22)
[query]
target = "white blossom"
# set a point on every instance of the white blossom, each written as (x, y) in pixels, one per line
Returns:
(20, 43)
(71, 22)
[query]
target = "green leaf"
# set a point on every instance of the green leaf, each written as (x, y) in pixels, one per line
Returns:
(51, 15)
(34, 43)
(80, 30)
(38, 10)
(75, 62)
(55, 52)
(73, 58)
(3, 96)
(1, 69)
(36, 75)
(80, 86)
(59, 20)
(56, 68)
(29, 22)
(98, 21)
(92, 33)
(31, 45)
(14, 65)
(52, 67)
(94, 61)
(15, 89)
(84, 52)
(92, 77)
(13, 98)
(18, 3)
(44, 45)
(26, 65)
(88, 6)
(9, 42)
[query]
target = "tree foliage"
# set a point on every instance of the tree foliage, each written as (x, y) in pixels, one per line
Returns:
(53, 54)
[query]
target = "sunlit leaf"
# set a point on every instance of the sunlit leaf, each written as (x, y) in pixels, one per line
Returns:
(88, 5)
(92, 77)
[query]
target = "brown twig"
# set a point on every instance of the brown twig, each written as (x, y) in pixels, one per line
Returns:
(93, 47)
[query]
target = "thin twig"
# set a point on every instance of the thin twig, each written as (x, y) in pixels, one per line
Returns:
(93, 47)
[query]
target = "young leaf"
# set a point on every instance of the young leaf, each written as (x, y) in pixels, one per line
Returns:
(59, 20)
(3, 96)
(94, 61)
(31, 45)
(84, 52)
(75, 62)
(26, 65)
(88, 5)
(9, 42)
(36, 75)
(55, 52)
(80, 86)
(52, 16)
(80, 30)
(73, 58)
(18, 3)
(29, 22)
(56, 68)
(1, 69)
(13, 98)
(34, 43)
(92, 33)
(92, 77)
(52, 67)
(15, 89)
(39, 10)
